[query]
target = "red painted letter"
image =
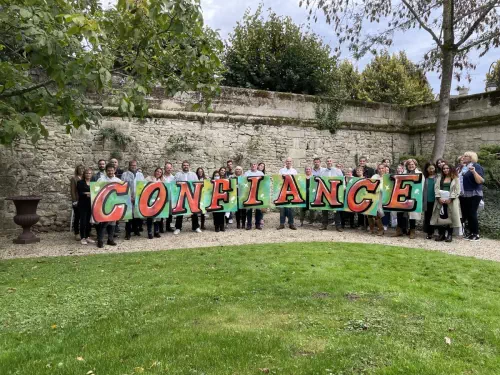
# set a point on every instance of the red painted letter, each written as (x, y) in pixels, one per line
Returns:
(156, 207)
(218, 195)
(189, 197)
(400, 196)
(118, 211)
(253, 192)
(365, 204)
(331, 194)
(289, 188)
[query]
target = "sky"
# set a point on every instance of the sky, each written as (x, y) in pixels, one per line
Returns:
(222, 15)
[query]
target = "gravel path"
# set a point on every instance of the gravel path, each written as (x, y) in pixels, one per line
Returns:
(63, 243)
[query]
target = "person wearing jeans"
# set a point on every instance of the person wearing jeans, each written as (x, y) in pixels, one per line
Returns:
(331, 171)
(473, 181)
(253, 172)
(287, 212)
(186, 175)
(107, 226)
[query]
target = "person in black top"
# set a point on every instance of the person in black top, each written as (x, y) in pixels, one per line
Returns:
(368, 172)
(83, 188)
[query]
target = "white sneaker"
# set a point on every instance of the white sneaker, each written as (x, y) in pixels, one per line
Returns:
(90, 240)
(385, 227)
(198, 230)
(177, 231)
(84, 241)
(230, 221)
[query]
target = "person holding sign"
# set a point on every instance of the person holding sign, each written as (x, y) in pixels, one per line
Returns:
(131, 176)
(241, 214)
(253, 172)
(309, 173)
(377, 219)
(286, 212)
(331, 171)
(150, 222)
(186, 175)
(107, 226)
(446, 212)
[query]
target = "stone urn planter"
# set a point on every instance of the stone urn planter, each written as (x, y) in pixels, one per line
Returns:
(26, 217)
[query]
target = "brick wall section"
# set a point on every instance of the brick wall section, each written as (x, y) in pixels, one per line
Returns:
(245, 125)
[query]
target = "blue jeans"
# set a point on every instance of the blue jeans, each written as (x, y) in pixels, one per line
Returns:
(286, 213)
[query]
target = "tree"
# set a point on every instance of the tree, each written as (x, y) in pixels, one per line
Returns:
(54, 54)
(494, 75)
(349, 78)
(394, 79)
(276, 54)
(455, 26)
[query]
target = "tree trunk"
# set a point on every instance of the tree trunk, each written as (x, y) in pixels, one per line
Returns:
(448, 51)
(444, 105)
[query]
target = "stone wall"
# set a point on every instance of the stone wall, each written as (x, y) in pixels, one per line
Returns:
(474, 121)
(245, 125)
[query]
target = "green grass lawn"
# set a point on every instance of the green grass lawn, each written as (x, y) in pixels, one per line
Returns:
(304, 308)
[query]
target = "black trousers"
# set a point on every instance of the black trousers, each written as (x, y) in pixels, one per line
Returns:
(402, 222)
(471, 204)
(219, 221)
(194, 222)
(150, 224)
(133, 225)
(347, 218)
(241, 216)
(76, 219)
(85, 213)
(336, 218)
(103, 227)
(429, 229)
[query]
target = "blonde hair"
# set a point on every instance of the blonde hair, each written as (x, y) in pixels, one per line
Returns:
(238, 167)
(472, 155)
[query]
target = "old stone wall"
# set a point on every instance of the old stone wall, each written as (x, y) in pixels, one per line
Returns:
(245, 125)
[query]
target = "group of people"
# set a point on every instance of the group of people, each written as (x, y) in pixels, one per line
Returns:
(452, 195)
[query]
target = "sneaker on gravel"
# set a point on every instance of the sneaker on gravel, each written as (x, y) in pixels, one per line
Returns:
(177, 231)
(90, 240)
(230, 221)
(197, 230)
(77, 237)
(474, 238)
(83, 241)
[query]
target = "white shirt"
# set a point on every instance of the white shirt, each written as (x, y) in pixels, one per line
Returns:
(154, 179)
(129, 177)
(188, 176)
(332, 172)
(318, 172)
(253, 174)
(286, 171)
(105, 178)
(169, 178)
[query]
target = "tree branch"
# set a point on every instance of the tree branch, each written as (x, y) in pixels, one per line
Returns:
(475, 10)
(476, 42)
(422, 23)
(476, 23)
(26, 90)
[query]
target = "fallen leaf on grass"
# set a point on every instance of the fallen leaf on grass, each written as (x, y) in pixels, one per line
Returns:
(447, 340)
(11, 290)
(139, 370)
(91, 372)
(80, 359)
(53, 326)
(264, 370)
